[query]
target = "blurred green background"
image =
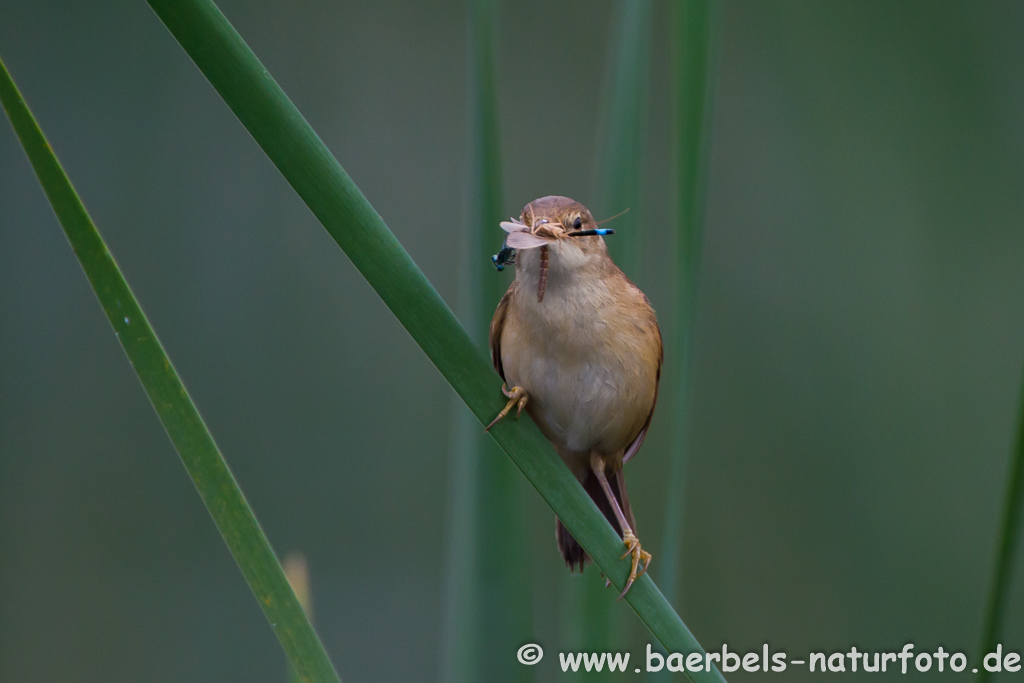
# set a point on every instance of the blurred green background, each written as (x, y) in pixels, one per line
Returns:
(858, 354)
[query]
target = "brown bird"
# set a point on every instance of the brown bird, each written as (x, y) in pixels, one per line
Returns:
(580, 346)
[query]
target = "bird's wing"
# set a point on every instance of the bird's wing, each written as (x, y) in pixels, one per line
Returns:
(497, 325)
(638, 440)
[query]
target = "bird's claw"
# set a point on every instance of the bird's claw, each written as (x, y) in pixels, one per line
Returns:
(641, 560)
(516, 397)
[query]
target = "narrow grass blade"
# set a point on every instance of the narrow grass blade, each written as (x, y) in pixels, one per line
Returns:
(491, 609)
(504, 616)
(460, 650)
(317, 177)
(621, 145)
(1006, 553)
(693, 24)
(618, 189)
(195, 445)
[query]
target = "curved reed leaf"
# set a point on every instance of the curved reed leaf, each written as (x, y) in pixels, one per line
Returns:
(504, 614)
(692, 34)
(200, 455)
(488, 600)
(1009, 539)
(332, 196)
(619, 188)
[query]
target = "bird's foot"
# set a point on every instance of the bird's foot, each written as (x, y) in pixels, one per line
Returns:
(641, 560)
(516, 397)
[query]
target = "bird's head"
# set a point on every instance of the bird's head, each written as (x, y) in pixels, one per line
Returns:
(555, 235)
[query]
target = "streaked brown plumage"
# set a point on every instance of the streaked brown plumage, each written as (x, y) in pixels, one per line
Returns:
(580, 346)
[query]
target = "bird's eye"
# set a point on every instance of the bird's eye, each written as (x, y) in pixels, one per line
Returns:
(578, 223)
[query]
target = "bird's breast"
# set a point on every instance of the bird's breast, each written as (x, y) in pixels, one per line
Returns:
(588, 357)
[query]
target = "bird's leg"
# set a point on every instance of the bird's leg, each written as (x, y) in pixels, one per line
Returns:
(516, 397)
(641, 559)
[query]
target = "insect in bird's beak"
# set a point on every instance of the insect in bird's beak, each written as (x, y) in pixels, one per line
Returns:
(503, 258)
(588, 233)
(523, 236)
(540, 234)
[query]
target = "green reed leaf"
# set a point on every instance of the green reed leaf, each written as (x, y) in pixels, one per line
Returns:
(178, 414)
(488, 599)
(1006, 550)
(693, 32)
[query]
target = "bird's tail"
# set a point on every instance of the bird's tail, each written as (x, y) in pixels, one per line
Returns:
(572, 552)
